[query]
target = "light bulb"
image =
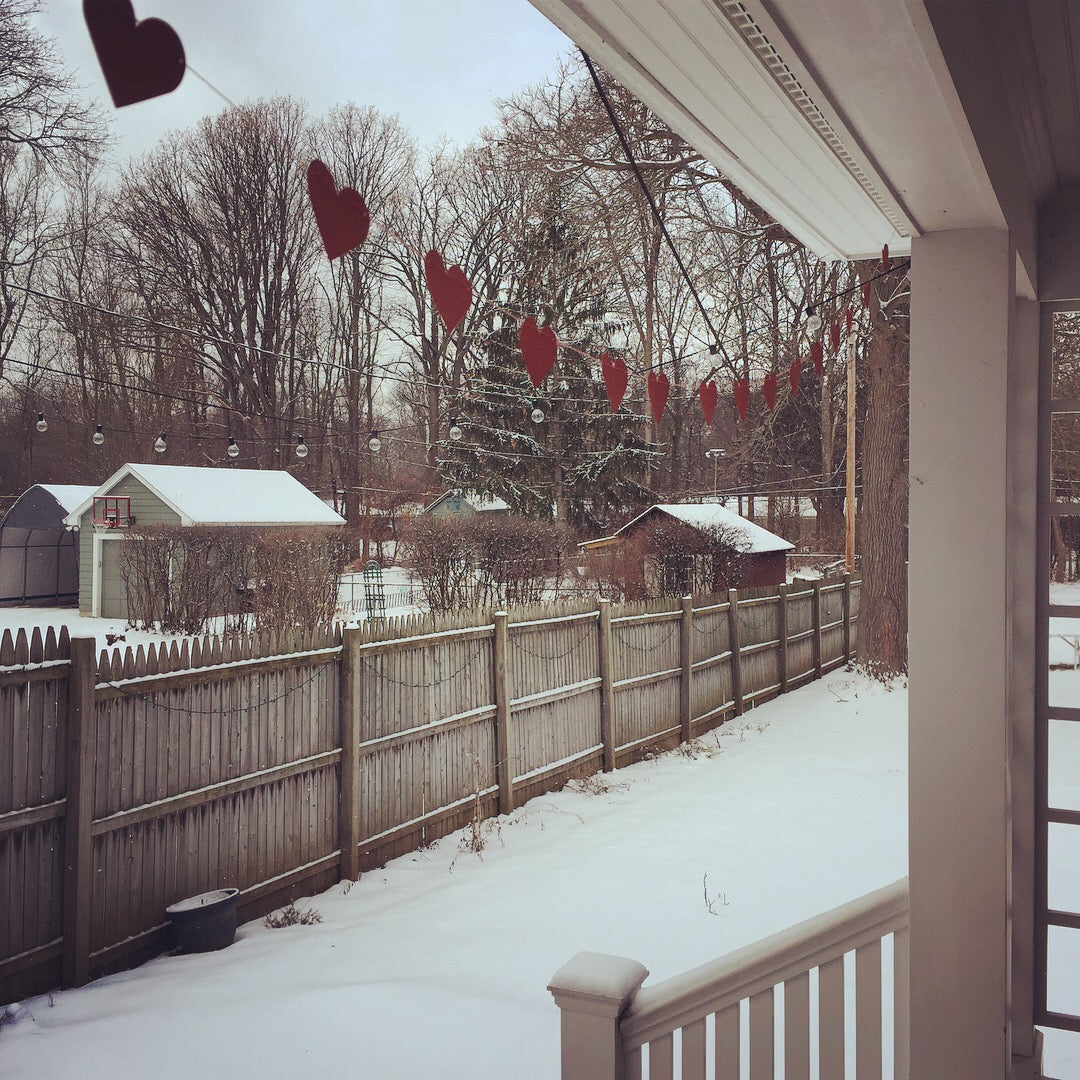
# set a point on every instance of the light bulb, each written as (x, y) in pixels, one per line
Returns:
(537, 416)
(301, 447)
(374, 443)
(98, 437)
(455, 430)
(159, 444)
(42, 424)
(813, 320)
(234, 450)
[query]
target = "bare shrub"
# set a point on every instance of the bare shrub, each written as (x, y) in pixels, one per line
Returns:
(679, 560)
(518, 559)
(291, 915)
(178, 578)
(298, 574)
(439, 549)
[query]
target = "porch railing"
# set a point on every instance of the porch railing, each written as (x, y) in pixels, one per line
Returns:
(693, 1026)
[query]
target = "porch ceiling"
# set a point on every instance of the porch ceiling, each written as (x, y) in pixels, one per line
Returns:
(857, 122)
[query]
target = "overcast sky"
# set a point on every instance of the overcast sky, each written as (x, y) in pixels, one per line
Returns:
(438, 64)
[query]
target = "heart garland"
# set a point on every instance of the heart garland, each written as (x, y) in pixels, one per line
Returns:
(768, 389)
(817, 354)
(795, 376)
(659, 388)
(867, 286)
(742, 396)
(616, 378)
(451, 291)
(539, 350)
(342, 216)
(886, 262)
(139, 59)
(707, 394)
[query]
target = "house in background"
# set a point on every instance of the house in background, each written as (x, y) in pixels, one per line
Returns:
(178, 495)
(39, 555)
(466, 503)
(759, 556)
(948, 130)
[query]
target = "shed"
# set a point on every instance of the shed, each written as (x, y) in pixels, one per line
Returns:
(466, 502)
(179, 495)
(39, 557)
(764, 554)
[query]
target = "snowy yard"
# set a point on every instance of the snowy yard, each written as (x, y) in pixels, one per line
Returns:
(438, 964)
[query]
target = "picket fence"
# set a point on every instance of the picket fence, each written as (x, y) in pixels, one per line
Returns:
(281, 765)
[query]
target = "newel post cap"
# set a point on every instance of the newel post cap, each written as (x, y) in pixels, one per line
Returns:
(597, 983)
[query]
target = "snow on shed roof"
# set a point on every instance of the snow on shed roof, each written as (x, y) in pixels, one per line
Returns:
(704, 515)
(69, 495)
(210, 496)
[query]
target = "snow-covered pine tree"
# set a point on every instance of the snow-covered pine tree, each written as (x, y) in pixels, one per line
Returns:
(581, 463)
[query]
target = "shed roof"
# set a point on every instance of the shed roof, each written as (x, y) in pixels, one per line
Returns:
(479, 503)
(211, 496)
(705, 515)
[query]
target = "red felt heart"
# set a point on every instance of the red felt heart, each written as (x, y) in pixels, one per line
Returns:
(707, 393)
(834, 337)
(659, 388)
(342, 216)
(867, 286)
(769, 390)
(817, 354)
(886, 262)
(615, 379)
(742, 396)
(795, 376)
(539, 349)
(450, 289)
(139, 60)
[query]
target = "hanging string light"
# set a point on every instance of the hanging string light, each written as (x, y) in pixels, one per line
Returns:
(374, 442)
(813, 320)
(159, 444)
(233, 450)
(538, 416)
(455, 429)
(301, 447)
(42, 424)
(98, 437)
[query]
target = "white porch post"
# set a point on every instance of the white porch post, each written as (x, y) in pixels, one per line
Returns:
(961, 305)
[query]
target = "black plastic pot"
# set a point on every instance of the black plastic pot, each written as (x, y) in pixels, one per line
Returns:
(205, 922)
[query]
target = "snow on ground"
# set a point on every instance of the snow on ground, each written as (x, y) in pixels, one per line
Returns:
(438, 964)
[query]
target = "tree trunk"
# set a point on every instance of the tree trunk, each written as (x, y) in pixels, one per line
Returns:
(882, 639)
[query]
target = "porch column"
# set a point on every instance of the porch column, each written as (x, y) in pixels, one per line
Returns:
(961, 305)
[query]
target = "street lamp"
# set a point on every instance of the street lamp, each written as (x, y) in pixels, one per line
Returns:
(715, 454)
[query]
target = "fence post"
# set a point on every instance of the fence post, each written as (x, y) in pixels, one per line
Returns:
(783, 635)
(847, 618)
(816, 608)
(592, 991)
(607, 688)
(504, 773)
(686, 659)
(349, 703)
(733, 648)
(79, 813)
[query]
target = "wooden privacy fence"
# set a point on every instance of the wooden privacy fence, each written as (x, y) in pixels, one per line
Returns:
(137, 777)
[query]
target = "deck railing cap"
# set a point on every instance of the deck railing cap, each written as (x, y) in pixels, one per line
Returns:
(597, 983)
